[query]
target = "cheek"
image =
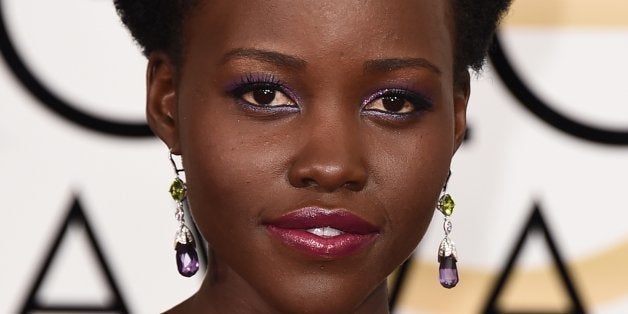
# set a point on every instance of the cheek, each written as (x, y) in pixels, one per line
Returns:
(229, 169)
(409, 178)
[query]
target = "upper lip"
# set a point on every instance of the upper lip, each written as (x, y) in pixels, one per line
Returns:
(316, 217)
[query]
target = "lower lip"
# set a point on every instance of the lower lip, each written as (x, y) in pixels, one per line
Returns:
(332, 247)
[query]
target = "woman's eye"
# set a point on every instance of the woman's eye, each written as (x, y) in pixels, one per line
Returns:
(393, 104)
(266, 97)
(398, 103)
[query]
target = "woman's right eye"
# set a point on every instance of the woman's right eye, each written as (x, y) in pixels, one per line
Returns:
(265, 96)
(262, 95)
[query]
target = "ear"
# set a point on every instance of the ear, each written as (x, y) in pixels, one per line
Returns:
(161, 100)
(462, 90)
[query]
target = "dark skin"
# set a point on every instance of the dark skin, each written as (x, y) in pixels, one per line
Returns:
(327, 126)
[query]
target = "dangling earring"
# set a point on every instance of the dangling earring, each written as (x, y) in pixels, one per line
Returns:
(447, 256)
(184, 244)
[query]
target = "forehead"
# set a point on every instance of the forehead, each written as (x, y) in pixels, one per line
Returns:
(356, 29)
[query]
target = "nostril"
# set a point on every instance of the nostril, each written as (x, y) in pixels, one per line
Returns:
(353, 186)
(308, 182)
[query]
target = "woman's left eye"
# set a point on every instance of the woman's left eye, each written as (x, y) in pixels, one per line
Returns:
(266, 96)
(397, 102)
(391, 104)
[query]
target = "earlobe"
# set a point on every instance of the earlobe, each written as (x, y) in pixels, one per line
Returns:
(161, 100)
(462, 91)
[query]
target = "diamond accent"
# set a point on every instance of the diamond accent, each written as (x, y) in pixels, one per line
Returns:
(178, 215)
(447, 226)
(183, 235)
(447, 248)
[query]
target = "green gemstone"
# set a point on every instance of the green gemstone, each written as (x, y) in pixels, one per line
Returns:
(177, 190)
(446, 205)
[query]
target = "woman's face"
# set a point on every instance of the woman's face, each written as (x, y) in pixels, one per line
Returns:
(293, 116)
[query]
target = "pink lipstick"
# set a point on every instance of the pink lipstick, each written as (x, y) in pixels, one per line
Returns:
(330, 233)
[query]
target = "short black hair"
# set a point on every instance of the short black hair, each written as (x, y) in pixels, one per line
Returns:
(157, 25)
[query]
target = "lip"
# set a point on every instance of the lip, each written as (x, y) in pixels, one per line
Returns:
(291, 230)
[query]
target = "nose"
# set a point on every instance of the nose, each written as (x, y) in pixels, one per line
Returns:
(331, 158)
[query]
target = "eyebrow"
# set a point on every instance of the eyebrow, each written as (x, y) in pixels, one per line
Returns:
(281, 59)
(267, 56)
(384, 65)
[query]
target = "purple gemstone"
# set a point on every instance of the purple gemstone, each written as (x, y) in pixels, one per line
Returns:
(187, 259)
(448, 273)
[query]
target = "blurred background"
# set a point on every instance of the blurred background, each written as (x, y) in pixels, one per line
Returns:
(540, 184)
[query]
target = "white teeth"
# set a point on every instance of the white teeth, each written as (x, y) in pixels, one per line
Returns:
(325, 232)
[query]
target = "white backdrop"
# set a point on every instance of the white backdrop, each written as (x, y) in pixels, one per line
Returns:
(574, 60)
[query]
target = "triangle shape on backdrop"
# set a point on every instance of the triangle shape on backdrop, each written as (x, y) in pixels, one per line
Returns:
(498, 299)
(75, 234)
(74, 275)
(536, 287)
